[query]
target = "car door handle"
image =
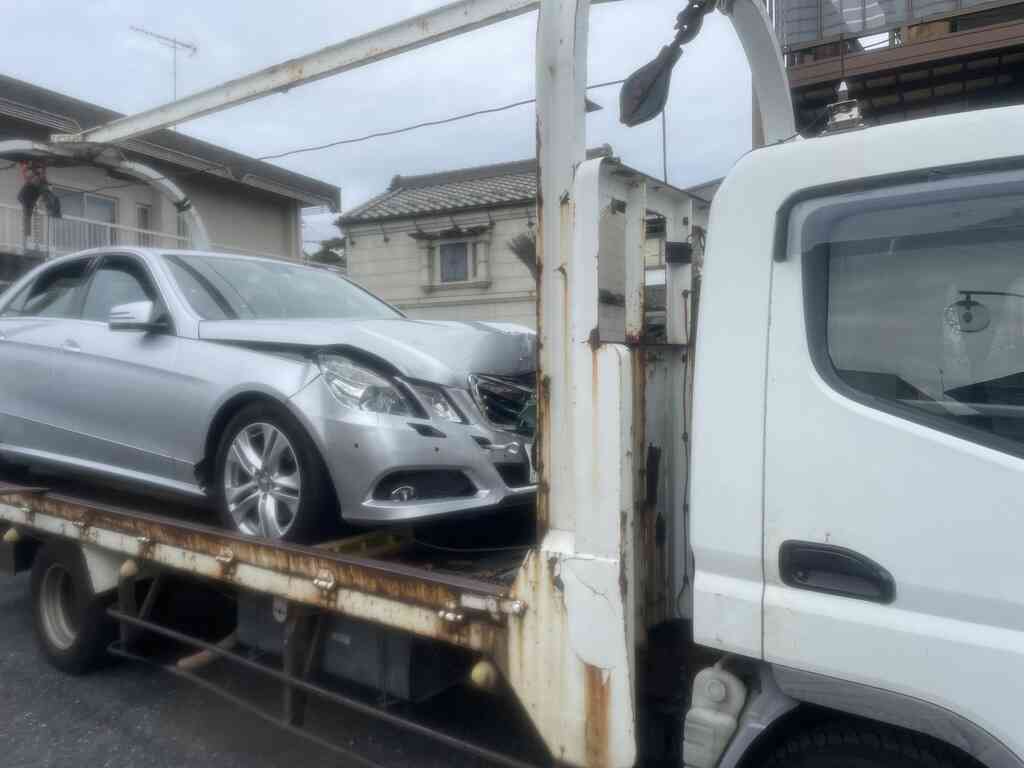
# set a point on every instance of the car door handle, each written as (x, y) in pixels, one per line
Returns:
(835, 571)
(71, 346)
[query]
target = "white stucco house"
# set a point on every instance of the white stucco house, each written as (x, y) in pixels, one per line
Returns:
(247, 205)
(438, 245)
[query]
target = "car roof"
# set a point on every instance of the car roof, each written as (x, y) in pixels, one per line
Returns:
(154, 253)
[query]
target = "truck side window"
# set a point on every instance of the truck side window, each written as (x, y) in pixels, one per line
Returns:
(921, 306)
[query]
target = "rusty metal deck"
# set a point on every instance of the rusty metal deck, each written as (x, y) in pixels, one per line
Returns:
(458, 596)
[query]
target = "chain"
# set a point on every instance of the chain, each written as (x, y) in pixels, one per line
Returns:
(690, 20)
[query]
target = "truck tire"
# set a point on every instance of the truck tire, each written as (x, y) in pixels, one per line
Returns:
(293, 499)
(852, 743)
(71, 623)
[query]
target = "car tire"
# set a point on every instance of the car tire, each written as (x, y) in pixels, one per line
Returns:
(72, 627)
(295, 500)
(852, 743)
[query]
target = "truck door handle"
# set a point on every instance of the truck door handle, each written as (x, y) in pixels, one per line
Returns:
(71, 346)
(835, 571)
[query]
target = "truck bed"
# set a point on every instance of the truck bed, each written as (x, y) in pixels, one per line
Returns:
(487, 549)
(451, 582)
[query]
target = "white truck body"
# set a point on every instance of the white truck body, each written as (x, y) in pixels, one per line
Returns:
(779, 454)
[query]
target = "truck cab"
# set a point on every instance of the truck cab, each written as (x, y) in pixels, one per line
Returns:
(857, 428)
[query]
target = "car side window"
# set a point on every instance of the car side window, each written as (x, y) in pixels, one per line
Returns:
(54, 293)
(119, 280)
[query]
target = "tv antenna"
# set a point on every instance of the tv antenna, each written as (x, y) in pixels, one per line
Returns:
(175, 45)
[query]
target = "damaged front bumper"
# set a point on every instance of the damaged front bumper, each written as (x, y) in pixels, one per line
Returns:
(398, 469)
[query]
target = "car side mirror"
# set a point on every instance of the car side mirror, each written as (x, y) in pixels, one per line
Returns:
(137, 316)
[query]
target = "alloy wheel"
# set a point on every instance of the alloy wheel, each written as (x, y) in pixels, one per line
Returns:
(262, 482)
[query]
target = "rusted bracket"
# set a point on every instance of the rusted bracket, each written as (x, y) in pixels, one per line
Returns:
(82, 524)
(228, 562)
(494, 606)
(326, 582)
(146, 546)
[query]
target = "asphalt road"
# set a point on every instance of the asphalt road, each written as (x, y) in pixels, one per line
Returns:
(135, 715)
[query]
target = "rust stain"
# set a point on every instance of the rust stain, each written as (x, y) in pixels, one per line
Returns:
(396, 582)
(597, 703)
(543, 435)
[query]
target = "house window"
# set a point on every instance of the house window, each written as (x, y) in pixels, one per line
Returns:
(183, 233)
(143, 221)
(454, 262)
(459, 262)
(100, 213)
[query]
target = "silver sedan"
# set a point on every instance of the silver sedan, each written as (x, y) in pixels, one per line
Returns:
(286, 393)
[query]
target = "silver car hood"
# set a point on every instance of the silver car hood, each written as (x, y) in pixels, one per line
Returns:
(440, 352)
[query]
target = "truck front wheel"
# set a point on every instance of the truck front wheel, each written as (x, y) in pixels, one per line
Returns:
(851, 743)
(72, 626)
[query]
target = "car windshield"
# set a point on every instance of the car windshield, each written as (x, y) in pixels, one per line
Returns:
(220, 288)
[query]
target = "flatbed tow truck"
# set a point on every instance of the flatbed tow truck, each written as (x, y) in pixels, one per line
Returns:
(759, 540)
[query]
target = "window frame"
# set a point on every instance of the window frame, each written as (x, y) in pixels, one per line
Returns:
(61, 189)
(814, 276)
(161, 302)
(19, 296)
(471, 261)
(144, 235)
(474, 258)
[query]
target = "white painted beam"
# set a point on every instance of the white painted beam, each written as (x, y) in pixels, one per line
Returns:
(767, 69)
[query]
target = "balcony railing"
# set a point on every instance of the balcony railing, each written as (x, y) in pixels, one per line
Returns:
(51, 237)
(801, 23)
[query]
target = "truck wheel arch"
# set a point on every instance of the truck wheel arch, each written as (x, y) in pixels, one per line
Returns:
(788, 698)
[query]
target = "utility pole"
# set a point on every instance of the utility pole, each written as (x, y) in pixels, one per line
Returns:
(175, 45)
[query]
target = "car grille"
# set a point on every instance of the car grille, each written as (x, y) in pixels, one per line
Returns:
(507, 402)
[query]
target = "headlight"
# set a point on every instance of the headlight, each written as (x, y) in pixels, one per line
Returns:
(357, 387)
(438, 404)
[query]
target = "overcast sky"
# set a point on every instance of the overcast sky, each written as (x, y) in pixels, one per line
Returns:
(84, 48)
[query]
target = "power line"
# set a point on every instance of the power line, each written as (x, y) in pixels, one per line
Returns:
(396, 131)
(417, 126)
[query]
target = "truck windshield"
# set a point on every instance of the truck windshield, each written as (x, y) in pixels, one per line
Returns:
(226, 288)
(925, 306)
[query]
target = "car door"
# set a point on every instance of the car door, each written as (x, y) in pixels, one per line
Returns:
(34, 321)
(895, 444)
(126, 400)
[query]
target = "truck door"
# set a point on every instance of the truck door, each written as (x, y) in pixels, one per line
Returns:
(895, 444)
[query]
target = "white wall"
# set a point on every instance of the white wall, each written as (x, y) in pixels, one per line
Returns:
(391, 268)
(246, 220)
(236, 217)
(387, 260)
